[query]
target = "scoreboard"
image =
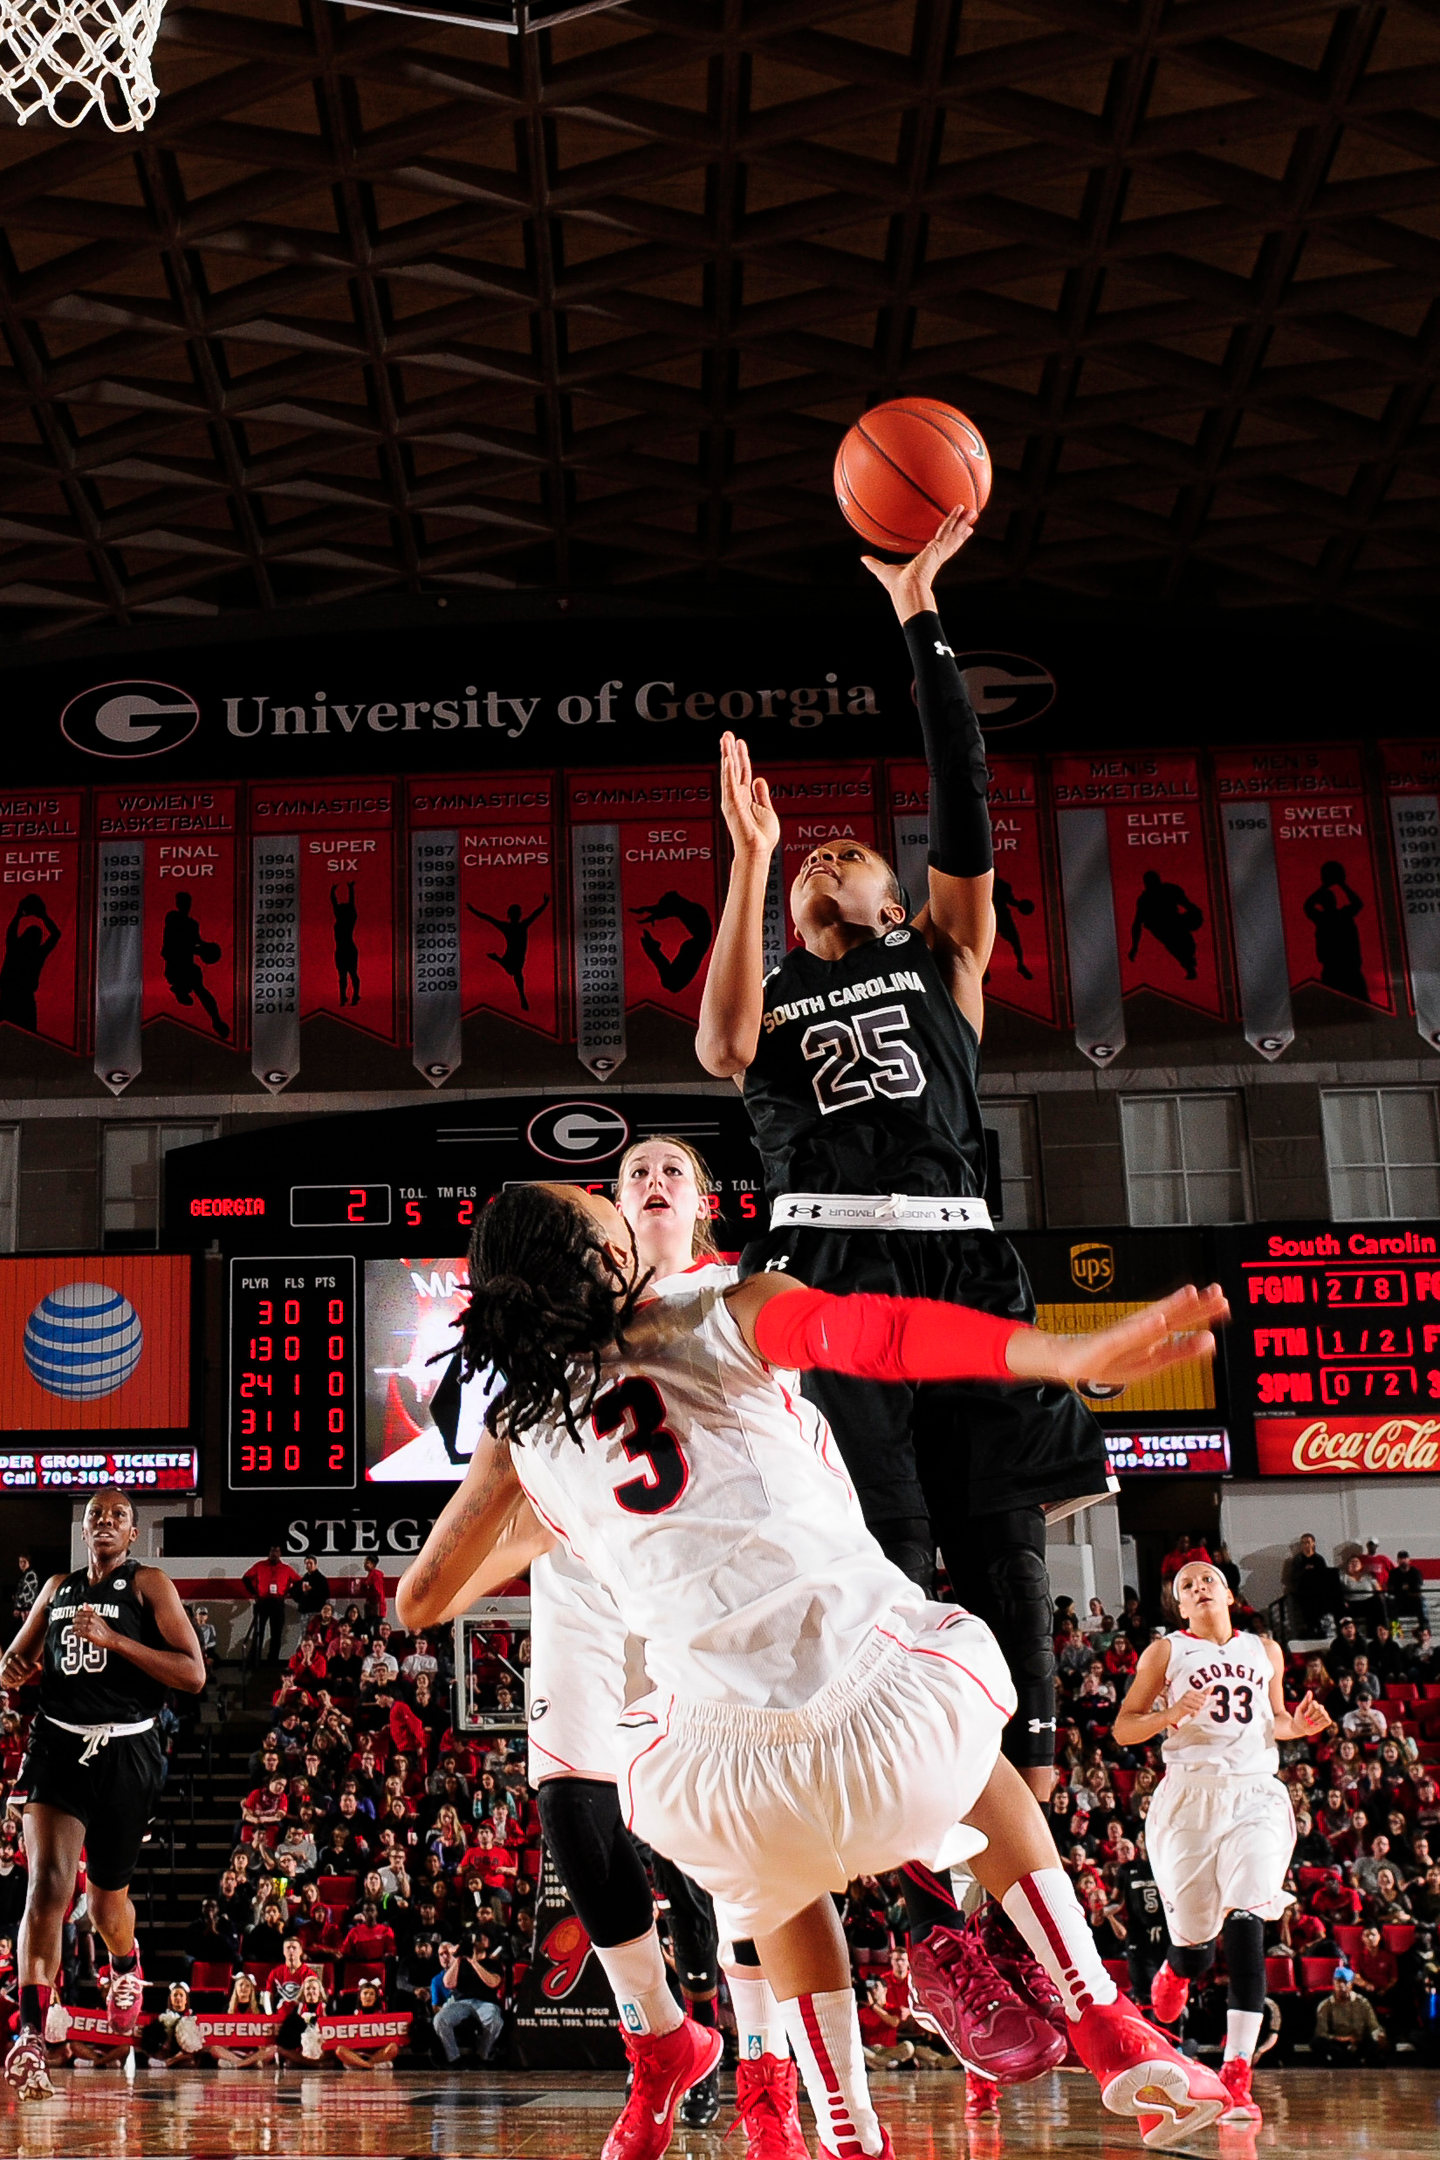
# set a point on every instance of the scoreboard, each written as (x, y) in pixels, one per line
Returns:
(292, 1375)
(1334, 1345)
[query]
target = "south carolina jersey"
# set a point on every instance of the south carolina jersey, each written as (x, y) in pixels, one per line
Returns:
(729, 1541)
(1236, 1733)
(864, 1078)
(83, 1683)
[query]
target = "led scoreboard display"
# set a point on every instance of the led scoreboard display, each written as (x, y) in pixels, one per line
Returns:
(1334, 1345)
(292, 1375)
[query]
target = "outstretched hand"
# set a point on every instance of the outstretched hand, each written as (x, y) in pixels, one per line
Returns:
(911, 584)
(745, 801)
(1174, 1331)
(1309, 1717)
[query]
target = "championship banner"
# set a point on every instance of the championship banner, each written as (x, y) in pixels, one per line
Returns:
(508, 911)
(44, 936)
(119, 960)
(1300, 854)
(344, 895)
(1021, 974)
(1412, 794)
(1162, 897)
(188, 891)
(814, 804)
(642, 865)
(435, 1046)
(564, 2010)
(275, 959)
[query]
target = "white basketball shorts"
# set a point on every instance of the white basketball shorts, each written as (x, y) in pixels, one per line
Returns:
(584, 1669)
(770, 1809)
(1219, 1844)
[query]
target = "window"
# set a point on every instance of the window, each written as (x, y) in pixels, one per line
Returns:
(1013, 1123)
(1184, 1159)
(9, 1176)
(131, 1187)
(1382, 1151)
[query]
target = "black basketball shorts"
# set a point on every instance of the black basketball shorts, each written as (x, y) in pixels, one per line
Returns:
(113, 1794)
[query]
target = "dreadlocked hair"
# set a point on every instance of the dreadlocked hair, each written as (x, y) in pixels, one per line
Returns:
(546, 1299)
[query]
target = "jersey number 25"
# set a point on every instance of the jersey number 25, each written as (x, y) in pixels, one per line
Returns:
(861, 1058)
(635, 1410)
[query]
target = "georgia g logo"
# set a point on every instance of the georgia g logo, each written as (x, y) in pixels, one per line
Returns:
(129, 719)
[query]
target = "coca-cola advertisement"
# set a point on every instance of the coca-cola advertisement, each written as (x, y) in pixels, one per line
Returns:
(1375, 1445)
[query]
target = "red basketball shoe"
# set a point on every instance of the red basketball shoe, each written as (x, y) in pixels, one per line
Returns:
(1235, 2077)
(1014, 1960)
(767, 2102)
(1168, 1996)
(995, 2031)
(124, 1996)
(1142, 2073)
(982, 2099)
(663, 2067)
(27, 2067)
(886, 2152)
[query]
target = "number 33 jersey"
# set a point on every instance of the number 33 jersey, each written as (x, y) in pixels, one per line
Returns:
(864, 1076)
(83, 1683)
(729, 1541)
(1235, 1733)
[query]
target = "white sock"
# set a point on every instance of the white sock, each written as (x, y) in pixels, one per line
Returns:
(824, 2031)
(1242, 2033)
(1047, 1912)
(759, 2027)
(636, 1973)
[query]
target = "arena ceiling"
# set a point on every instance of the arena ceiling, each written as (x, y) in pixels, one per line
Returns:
(377, 304)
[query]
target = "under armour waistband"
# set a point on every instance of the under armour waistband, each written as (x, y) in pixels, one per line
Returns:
(98, 1736)
(877, 1211)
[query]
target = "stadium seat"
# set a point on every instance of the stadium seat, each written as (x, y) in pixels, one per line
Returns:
(1349, 1938)
(1316, 1974)
(1398, 1935)
(1280, 1976)
(1400, 1691)
(337, 1891)
(211, 1979)
(354, 1970)
(1431, 1690)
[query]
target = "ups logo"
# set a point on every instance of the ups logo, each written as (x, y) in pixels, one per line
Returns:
(1092, 1267)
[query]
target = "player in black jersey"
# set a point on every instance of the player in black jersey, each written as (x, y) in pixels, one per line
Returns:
(106, 1643)
(859, 1059)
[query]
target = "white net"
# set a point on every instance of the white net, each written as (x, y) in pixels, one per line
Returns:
(70, 58)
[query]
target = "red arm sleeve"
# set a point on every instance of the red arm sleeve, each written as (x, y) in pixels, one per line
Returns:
(883, 1338)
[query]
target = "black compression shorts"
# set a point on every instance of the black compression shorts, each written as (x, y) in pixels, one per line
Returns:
(946, 1449)
(113, 1795)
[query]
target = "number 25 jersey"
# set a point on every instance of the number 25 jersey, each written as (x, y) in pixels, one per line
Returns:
(864, 1079)
(729, 1541)
(1236, 1733)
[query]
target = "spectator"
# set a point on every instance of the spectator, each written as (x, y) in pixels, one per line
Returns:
(1341, 1653)
(312, 1592)
(236, 2054)
(284, 1981)
(265, 1943)
(1425, 1902)
(466, 1989)
(1423, 1665)
(210, 1940)
(1365, 1874)
(1367, 1684)
(880, 2031)
(1361, 1591)
(373, 1589)
(1189, 1546)
(1389, 1906)
(1405, 1591)
(270, 1581)
(380, 1670)
(1378, 1565)
(1366, 1723)
(360, 2054)
(308, 1663)
(421, 1659)
(1377, 1970)
(298, 2040)
(1346, 2027)
(205, 1634)
(369, 1939)
(27, 1589)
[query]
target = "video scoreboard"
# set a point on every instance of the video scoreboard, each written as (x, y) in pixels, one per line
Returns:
(292, 1375)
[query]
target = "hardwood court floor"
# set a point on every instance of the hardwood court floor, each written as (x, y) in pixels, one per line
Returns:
(411, 2115)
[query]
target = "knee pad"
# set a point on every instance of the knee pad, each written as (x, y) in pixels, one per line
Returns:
(1190, 1961)
(1244, 1939)
(909, 1543)
(596, 1859)
(1020, 1584)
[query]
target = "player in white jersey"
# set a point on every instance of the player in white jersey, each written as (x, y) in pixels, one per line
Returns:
(813, 1717)
(1220, 1831)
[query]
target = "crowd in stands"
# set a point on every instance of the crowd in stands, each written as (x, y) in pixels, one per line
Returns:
(384, 1861)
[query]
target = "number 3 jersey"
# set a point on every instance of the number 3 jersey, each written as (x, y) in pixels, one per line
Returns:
(728, 1540)
(83, 1683)
(1236, 1732)
(864, 1079)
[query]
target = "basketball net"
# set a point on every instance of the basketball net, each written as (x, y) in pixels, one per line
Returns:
(94, 55)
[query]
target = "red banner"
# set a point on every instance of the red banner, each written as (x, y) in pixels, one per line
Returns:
(379, 2029)
(346, 834)
(40, 972)
(666, 862)
(509, 889)
(1376, 1444)
(190, 897)
(816, 804)
(1324, 862)
(1160, 877)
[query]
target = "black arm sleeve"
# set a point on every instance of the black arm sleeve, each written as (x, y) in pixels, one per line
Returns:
(959, 815)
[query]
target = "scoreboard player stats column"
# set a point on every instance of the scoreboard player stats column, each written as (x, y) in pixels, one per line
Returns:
(292, 1399)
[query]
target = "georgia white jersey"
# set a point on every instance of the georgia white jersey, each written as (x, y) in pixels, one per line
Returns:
(714, 1511)
(1236, 1733)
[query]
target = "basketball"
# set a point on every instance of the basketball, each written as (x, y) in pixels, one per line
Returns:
(905, 466)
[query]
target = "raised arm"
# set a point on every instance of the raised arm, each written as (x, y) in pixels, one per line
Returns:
(959, 922)
(455, 1565)
(734, 998)
(885, 1338)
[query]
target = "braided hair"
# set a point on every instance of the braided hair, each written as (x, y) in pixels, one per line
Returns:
(546, 1298)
